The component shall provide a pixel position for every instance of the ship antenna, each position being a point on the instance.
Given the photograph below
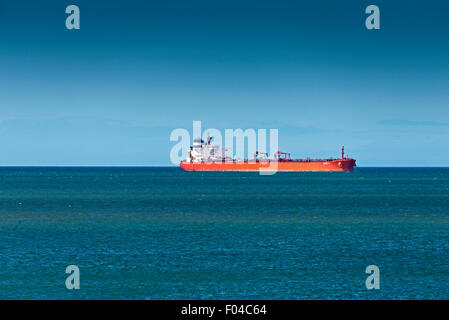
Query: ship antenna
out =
(342, 152)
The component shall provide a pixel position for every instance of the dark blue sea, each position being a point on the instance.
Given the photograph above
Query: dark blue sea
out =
(160, 233)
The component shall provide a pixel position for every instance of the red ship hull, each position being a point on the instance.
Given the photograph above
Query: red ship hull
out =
(330, 165)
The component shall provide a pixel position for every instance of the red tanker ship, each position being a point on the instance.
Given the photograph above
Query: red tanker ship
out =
(210, 157)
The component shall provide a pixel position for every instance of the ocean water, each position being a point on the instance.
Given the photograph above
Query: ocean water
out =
(160, 233)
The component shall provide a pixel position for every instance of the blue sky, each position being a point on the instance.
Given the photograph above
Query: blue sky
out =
(111, 92)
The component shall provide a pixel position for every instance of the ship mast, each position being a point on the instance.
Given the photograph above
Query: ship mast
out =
(342, 152)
